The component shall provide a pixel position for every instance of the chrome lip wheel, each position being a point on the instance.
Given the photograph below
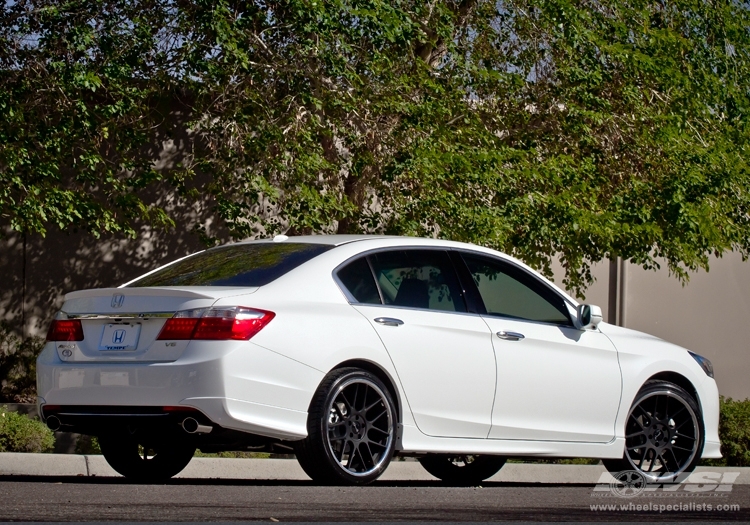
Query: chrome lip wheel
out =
(359, 427)
(662, 436)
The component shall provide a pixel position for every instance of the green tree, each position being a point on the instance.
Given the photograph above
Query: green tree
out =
(546, 128)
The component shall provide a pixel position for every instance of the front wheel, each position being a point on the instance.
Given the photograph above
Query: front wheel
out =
(143, 461)
(462, 470)
(351, 429)
(663, 434)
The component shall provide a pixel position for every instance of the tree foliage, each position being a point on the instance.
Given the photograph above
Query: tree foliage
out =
(545, 128)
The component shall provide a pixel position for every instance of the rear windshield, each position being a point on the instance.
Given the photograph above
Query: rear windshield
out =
(234, 265)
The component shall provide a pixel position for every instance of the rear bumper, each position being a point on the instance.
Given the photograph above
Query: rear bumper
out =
(237, 385)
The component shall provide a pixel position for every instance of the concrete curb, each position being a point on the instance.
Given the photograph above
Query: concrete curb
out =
(70, 465)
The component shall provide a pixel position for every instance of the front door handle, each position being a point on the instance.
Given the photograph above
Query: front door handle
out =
(510, 336)
(388, 321)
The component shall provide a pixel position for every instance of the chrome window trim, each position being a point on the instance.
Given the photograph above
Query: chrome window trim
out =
(93, 316)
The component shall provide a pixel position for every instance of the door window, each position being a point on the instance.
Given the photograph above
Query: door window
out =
(418, 279)
(509, 291)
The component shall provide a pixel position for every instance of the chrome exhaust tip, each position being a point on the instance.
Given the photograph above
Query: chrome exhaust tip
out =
(53, 423)
(191, 426)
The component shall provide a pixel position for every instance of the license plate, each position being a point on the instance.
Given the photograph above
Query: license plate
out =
(120, 337)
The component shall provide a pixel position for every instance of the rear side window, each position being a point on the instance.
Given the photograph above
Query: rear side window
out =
(418, 279)
(358, 280)
(248, 265)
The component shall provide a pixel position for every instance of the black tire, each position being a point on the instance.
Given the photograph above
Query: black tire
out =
(462, 469)
(145, 462)
(664, 434)
(351, 429)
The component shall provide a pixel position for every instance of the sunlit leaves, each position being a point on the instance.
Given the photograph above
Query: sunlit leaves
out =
(576, 130)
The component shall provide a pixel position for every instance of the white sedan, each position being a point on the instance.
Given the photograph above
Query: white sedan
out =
(346, 350)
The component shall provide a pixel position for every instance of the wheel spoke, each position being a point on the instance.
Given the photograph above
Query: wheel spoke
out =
(350, 463)
(369, 454)
(676, 461)
(380, 430)
(384, 412)
(645, 415)
(342, 451)
(641, 433)
(680, 411)
(356, 395)
(664, 463)
(371, 443)
(346, 401)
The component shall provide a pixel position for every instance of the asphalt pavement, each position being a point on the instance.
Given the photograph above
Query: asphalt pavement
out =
(112, 499)
(65, 488)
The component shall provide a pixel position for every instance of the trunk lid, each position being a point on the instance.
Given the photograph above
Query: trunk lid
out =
(122, 324)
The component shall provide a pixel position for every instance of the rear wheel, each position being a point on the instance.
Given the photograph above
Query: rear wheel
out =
(663, 434)
(462, 470)
(143, 461)
(351, 429)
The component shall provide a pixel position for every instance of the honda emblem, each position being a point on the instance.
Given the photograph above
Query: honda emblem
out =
(117, 300)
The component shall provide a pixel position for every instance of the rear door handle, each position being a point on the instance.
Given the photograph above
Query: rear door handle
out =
(388, 321)
(510, 336)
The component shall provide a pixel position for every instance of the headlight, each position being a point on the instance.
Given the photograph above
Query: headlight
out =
(706, 365)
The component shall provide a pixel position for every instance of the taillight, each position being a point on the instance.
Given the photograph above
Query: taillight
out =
(181, 325)
(217, 324)
(65, 330)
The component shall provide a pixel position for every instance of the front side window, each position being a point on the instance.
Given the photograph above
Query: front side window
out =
(418, 279)
(508, 291)
(246, 265)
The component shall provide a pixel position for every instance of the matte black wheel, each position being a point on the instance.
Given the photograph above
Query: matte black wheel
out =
(351, 429)
(141, 461)
(462, 470)
(663, 434)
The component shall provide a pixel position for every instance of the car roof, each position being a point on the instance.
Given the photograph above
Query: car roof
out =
(332, 240)
(340, 240)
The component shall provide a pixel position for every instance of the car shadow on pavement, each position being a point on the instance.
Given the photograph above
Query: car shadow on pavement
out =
(95, 480)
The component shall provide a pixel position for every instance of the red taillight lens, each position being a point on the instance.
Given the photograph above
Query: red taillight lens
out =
(217, 324)
(65, 330)
(178, 328)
